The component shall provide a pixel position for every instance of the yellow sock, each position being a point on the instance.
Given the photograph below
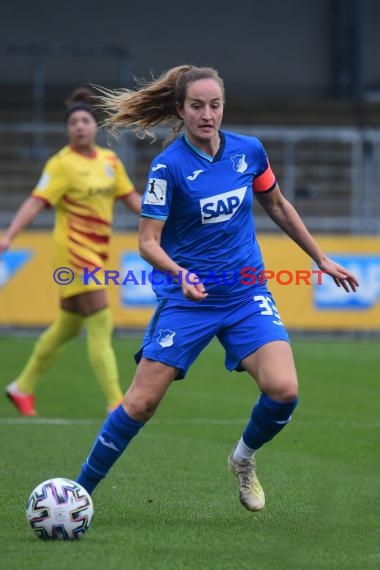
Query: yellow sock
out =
(102, 357)
(66, 326)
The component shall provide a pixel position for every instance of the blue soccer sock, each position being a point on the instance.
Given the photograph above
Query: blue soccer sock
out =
(268, 418)
(113, 437)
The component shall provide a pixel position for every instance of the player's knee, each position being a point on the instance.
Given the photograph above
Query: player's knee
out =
(140, 409)
(289, 394)
(285, 392)
(98, 347)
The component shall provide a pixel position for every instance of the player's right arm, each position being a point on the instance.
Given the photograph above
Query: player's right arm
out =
(50, 188)
(28, 210)
(156, 206)
(150, 231)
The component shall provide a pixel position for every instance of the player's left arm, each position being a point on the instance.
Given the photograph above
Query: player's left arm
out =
(283, 213)
(132, 200)
(125, 189)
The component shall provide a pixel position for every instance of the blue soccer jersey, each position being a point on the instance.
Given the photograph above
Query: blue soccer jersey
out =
(207, 205)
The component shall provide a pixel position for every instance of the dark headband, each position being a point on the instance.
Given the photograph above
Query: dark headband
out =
(79, 106)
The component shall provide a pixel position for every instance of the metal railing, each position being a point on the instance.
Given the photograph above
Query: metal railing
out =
(331, 175)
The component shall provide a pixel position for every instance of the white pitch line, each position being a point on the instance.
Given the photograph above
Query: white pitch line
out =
(74, 421)
(186, 422)
(46, 421)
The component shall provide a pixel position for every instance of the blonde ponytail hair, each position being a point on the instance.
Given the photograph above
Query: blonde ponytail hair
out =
(154, 102)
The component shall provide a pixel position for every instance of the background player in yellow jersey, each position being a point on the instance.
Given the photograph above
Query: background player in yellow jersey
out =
(82, 182)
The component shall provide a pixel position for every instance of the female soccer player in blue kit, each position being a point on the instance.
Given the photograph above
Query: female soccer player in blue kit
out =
(197, 228)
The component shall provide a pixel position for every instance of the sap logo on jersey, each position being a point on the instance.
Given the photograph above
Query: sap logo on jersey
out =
(221, 207)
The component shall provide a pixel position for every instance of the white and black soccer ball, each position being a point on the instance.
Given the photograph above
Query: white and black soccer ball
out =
(59, 509)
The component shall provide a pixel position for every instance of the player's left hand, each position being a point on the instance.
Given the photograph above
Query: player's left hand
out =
(342, 277)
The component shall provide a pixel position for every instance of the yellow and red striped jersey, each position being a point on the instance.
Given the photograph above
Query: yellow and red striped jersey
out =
(83, 190)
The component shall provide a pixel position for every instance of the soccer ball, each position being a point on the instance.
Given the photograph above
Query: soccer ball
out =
(59, 508)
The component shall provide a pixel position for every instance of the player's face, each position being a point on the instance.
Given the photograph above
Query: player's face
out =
(202, 112)
(81, 130)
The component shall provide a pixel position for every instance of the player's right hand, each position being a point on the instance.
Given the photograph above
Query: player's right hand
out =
(4, 244)
(193, 288)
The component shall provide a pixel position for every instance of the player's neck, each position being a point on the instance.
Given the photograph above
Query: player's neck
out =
(210, 147)
(88, 151)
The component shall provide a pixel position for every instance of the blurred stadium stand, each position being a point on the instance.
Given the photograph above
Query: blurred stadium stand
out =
(331, 175)
(316, 108)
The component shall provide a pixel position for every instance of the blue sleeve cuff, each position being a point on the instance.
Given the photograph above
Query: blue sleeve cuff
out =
(154, 217)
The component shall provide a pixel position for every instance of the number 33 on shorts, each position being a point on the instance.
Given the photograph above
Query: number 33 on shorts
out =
(267, 307)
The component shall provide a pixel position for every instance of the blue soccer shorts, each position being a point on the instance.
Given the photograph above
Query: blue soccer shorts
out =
(178, 332)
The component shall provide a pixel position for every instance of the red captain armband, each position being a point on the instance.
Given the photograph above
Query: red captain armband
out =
(266, 181)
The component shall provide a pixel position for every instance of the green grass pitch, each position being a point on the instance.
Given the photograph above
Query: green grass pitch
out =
(170, 502)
